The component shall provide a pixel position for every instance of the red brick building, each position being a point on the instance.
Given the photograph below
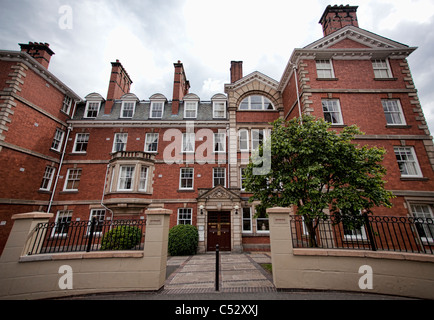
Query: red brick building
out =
(123, 154)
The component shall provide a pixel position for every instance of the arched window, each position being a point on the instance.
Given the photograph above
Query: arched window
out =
(256, 102)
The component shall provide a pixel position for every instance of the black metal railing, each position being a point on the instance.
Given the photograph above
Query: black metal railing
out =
(92, 235)
(388, 233)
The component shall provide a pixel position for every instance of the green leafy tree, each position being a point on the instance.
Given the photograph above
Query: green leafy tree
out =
(314, 168)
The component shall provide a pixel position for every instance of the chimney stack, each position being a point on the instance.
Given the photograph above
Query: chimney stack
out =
(337, 17)
(180, 86)
(39, 51)
(120, 84)
(236, 71)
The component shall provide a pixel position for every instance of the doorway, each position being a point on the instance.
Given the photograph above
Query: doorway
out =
(219, 230)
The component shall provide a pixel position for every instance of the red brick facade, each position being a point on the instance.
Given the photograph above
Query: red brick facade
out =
(123, 154)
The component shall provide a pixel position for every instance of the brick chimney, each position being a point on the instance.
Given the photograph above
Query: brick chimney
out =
(39, 51)
(236, 71)
(120, 83)
(180, 86)
(337, 17)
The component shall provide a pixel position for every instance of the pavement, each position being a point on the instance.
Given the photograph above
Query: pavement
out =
(241, 277)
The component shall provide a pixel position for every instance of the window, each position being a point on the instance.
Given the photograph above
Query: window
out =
(424, 222)
(151, 142)
(126, 178)
(256, 102)
(243, 187)
(247, 220)
(184, 215)
(120, 142)
(156, 109)
(219, 142)
(352, 231)
(324, 69)
(99, 215)
(57, 140)
(407, 162)
(47, 180)
(72, 180)
(219, 176)
(186, 178)
(127, 109)
(143, 178)
(190, 109)
(332, 111)
(188, 142)
(63, 219)
(262, 225)
(219, 110)
(381, 69)
(66, 106)
(257, 138)
(81, 141)
(393, 112)
(243, 140)
(92, 109)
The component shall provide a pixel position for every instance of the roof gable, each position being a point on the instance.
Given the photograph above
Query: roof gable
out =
(357, 35)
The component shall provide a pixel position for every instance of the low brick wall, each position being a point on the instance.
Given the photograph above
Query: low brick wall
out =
(391, 273)
(64, 274)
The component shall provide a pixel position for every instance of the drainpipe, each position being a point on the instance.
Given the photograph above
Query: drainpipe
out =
(103, 191)
(298, 95)
(60, 167)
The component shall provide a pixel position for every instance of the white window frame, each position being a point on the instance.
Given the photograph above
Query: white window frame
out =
(124, 177)
(324, 69)
(247, 219)
(150, 140)
(218, 170)
(86, 110)
(256, 142)
(248, 99)
(76, 177)
(354, 234)
(56, 145)
(332, 103)
(219, 141)
(190, 107)
(424, 214)
(245, 139)
(185, 216)
(124, 106)
(381, 66)
(414, 162)
(66, 105)
(182, 176)
(143, 179)
(62, 217)
(388, 105)
(154, 105)
(47, 179)
(216, 105)
(79, 139)
(241, 179)
(122, 141)
(97, 213)
(188, 137)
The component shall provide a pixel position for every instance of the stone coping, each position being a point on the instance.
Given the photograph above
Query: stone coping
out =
(82, 255)
(364, 254)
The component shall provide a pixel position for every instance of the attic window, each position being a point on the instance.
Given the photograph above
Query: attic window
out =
(256, 102)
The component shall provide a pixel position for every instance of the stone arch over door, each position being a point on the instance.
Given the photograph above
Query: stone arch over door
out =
(218, 202)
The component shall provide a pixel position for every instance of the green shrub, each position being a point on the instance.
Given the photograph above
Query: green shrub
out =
(121, 238)
(183, 240)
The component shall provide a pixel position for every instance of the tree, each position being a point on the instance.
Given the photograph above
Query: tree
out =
(315, 168)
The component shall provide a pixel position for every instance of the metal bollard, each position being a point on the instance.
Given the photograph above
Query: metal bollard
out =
(217, 267)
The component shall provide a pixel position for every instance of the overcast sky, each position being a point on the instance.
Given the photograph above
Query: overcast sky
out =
(148, 36)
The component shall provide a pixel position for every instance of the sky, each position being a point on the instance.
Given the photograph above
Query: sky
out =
(148, 36)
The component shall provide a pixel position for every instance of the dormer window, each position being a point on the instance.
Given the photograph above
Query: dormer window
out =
(219, 106)
(92, 109)
(256, 102)
(127, 110)
(190, 109)
(157, 106)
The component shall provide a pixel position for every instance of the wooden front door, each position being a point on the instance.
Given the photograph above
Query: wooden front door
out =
(219, 230)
